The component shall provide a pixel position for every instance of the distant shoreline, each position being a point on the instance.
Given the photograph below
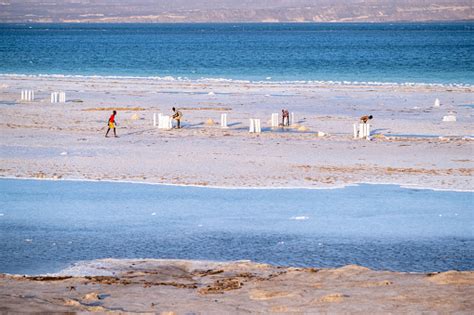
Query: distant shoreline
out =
(251, 22)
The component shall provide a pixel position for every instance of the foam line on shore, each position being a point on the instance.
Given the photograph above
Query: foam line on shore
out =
(342, 186)
(418, 187)
(176, 185)
(242, 81)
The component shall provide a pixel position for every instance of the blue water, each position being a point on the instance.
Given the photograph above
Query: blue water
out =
(423, 53)
(47, 225)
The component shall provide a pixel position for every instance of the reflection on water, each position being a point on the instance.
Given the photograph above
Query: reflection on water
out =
(47, 225)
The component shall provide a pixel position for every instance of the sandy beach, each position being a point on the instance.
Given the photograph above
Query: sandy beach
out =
(410, 145)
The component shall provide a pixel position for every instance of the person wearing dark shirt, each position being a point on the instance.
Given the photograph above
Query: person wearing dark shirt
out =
(285, 114)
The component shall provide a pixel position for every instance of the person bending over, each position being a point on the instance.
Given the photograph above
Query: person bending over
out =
(365, 119)
(177, 115)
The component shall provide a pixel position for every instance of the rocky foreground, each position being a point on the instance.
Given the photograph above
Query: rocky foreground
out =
(193, 287)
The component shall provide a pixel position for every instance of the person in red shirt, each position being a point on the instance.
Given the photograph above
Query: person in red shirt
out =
(112, 124)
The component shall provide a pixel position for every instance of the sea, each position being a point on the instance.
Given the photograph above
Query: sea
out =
(340, 53)
(49, 225)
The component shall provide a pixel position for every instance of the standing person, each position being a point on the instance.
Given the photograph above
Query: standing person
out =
(112, 124)
(365, 119)
(177, 115)
(285, 114)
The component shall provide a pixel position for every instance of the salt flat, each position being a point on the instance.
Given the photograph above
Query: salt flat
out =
(410, 145)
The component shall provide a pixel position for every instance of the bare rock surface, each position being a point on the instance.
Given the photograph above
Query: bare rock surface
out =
(200, 287)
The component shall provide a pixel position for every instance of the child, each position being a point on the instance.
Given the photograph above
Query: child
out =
(112, 124)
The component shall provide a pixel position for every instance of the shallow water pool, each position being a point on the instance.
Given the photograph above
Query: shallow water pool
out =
(47, 225)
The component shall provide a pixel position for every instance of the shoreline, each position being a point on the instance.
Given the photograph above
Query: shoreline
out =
(404, 186)
(223, 80)
(110, 266)
(92, 268)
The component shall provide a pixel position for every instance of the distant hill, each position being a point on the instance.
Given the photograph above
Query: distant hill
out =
(155, 11)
